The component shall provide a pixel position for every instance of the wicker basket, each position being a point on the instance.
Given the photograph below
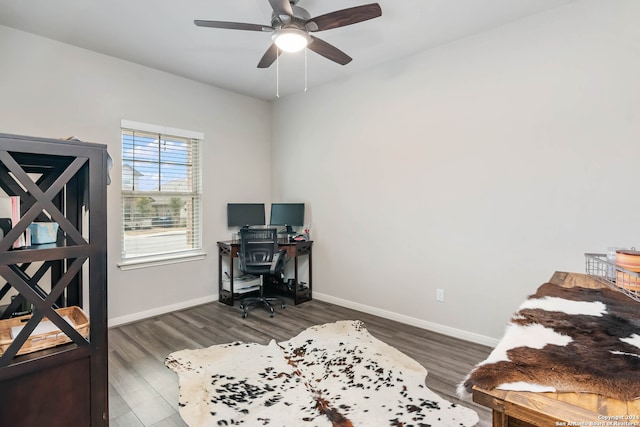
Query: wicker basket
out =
(36, 342)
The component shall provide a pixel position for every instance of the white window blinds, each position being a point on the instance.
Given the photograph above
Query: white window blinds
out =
(161, 192)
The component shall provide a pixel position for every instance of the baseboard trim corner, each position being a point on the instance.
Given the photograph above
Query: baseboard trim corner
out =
(435, 327)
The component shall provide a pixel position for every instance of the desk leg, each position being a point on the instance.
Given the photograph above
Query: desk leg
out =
(297, 284)
(231, 281)
(300, 297)
(220, 297)
(225, 297)
(310, 296)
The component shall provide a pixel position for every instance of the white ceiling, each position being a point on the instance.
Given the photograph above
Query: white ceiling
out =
(161, 34)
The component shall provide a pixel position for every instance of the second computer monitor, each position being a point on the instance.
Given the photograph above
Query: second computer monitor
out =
(287, 214)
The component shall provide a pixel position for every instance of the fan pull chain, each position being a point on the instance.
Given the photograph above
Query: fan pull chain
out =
(306, 86)
(306, 78)
(277, 73)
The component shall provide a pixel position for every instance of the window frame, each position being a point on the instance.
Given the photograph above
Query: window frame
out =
(197, 253)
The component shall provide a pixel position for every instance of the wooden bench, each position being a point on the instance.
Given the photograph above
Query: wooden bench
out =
(519, 409)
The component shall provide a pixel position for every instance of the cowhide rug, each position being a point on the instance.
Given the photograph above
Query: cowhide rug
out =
(335, 374)
(567, 340)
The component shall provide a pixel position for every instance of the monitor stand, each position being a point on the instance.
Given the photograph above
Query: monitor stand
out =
(288, 230)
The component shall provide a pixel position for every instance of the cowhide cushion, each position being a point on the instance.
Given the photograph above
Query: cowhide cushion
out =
(567, 340)
(335, 374)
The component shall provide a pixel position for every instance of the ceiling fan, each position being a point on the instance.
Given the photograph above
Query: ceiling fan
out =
(291, 26)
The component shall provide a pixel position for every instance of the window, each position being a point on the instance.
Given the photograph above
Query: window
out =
(161, 194)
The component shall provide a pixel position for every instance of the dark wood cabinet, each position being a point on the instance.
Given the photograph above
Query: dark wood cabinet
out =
(63, 182)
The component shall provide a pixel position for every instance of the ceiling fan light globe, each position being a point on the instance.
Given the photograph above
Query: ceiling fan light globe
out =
(291, 39)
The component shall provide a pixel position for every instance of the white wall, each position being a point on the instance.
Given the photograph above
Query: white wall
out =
(51, 89)
(480, 167)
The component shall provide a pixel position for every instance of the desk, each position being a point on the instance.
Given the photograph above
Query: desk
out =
(517, 408)
(294, 250)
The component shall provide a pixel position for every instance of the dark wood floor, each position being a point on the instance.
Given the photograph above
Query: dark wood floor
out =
(143, 392)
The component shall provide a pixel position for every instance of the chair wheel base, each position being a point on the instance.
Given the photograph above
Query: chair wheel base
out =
(266, 301)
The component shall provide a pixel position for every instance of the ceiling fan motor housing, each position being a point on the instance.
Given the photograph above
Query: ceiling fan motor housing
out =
(299, 18)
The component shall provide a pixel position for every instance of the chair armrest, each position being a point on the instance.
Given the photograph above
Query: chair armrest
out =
(278, 262)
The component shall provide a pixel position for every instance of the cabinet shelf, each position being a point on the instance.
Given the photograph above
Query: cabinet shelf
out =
(50, 253)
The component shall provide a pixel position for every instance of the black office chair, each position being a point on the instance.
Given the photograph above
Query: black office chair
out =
(259, 255)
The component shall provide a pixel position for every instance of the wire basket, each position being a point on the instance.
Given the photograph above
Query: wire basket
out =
(612, 275)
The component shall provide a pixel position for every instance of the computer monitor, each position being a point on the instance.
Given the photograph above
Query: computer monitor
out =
(245, 214)
(287, 214)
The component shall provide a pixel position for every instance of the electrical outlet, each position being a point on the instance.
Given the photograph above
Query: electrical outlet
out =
(440, 295)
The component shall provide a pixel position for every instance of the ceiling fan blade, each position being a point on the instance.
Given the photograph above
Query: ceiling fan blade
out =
(232, 25)
(341, 18)
(331, 52)
(269, 56)
(282, 8)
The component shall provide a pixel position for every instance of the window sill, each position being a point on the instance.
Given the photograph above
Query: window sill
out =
(159, 260)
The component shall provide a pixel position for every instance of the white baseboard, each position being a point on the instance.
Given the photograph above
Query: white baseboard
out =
(117, 321)
(435, 327)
